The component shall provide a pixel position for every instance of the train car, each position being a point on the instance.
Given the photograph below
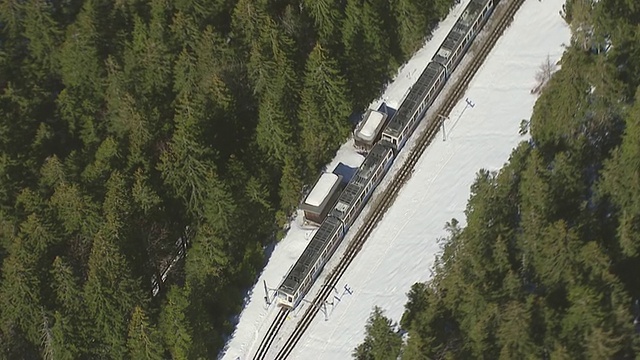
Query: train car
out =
(436, 73)
(413, 107)
(361, 186)
(304, 272)
(323, 244)
(368, 131)
(322, 197)
(461, 36)
(394, 136)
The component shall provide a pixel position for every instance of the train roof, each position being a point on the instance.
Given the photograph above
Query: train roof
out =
(370, 125)
(316, 200)
(419, 90)
(411, 103)
(360, 179)
(460, 29)
(310, 255)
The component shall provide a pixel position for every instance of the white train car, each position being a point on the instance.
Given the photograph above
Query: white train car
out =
(432, 79)
(369, 130)
(395, 134)
(323, 244)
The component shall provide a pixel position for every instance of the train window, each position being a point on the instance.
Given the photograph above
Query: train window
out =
(290, 298)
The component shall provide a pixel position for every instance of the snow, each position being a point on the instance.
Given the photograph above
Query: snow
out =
(402, 248)
(371, 124)
(346, 155)
(322, 189)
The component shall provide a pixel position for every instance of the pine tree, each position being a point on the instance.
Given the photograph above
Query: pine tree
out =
(366, 51)
(184, 164)
(621, 182)
(144, 339)
(274, 132)
(247, 18)
(11, 13)
(111, 295)
(66, 287)
(82, 76)
(557, 252)
(174, 324)
(208, 258)
(326, 15)
(514, 332)
(20, 297)
(271, 70)
(147, 60)
(43, 34)
(412, 24)
(75, 210)
(63, 345)
(21, 300)
(128, 124)
(290, 184)
(106, 156)
(381, 340)
(143, 194)
(324, 108)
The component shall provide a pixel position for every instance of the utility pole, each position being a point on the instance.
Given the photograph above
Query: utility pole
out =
(266, 293)
(443, 118)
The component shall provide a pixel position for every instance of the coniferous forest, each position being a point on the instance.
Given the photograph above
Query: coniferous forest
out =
(548, 263)
(132, 129)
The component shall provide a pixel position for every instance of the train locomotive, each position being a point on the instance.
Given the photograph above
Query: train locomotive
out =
(395, 134)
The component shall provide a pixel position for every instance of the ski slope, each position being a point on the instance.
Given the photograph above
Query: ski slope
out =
(402, 249)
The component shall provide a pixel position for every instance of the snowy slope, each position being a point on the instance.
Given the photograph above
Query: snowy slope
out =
(402, 248)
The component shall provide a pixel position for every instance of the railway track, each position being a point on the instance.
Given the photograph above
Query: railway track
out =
(387, 198)
(271, 334)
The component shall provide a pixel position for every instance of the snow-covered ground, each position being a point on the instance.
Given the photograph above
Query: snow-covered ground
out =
(402, 248)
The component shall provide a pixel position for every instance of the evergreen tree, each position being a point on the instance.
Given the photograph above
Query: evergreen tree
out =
(111, 295)
(184, 164)
(514, 332)
(327, 17)
(271, 69)
(143, 194)
(144, 340)
(42, 31)
(174, 324)
(381, 340)
(366, 50)
(63, 341)
(82, 76)
(69, 331)
(290, 184)
(324, 108)
(412, 24)
(75, 210)
(622, 184)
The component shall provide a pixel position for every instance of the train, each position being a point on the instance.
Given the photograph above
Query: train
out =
(394, 136)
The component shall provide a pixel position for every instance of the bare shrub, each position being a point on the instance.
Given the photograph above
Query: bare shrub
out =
(543, 75)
